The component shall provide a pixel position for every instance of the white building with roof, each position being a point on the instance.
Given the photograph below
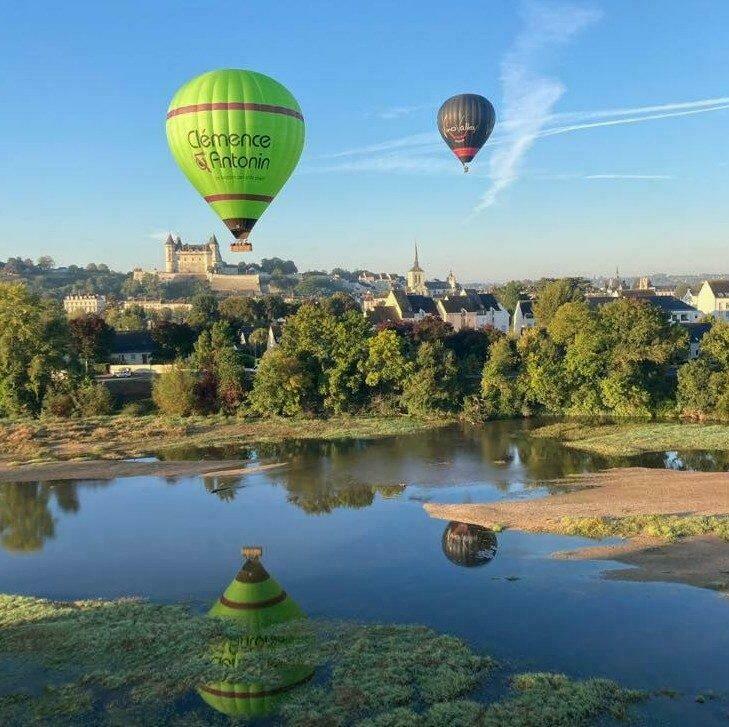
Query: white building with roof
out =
(713, 298)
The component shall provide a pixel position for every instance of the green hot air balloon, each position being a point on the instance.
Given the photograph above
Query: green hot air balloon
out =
(237, 135)
(258, 601)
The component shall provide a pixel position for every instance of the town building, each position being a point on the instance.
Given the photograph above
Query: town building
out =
(523, 316)
(676, 310)
(696, 332)
(132, 347)
(418, 285)
(713, 298)
(158, 306)
(204, 262)
(473, 310)
(77, 305)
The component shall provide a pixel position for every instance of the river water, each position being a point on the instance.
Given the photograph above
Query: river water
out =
(343, 530)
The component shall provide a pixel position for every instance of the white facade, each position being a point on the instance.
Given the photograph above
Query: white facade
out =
(523, 316)
(713, 298)
(76, 305)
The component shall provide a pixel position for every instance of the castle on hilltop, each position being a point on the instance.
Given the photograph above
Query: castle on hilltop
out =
(185, 261)
(192, 259)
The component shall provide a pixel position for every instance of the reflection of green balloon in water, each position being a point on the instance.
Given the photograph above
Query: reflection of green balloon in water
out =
(258, 601)
(237, 136)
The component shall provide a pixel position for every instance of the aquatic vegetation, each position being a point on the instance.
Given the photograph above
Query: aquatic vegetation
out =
(131, 662)
(669, 527)
(120, 656)
(631, 439)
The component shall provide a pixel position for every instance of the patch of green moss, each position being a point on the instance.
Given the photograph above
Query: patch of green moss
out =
(669, 527)
(630, 439)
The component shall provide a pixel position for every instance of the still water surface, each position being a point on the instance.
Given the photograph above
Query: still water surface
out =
(344, 532)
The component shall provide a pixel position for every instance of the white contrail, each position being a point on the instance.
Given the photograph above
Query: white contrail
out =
(528, 97)
(647, 177)
(581, 121)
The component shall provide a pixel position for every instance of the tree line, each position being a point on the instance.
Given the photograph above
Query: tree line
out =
(623, 359)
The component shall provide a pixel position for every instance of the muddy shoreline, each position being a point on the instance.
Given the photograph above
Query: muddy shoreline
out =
(111, 469)
(702, 560)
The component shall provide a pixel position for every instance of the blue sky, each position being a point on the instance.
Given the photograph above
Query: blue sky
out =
(610, 145)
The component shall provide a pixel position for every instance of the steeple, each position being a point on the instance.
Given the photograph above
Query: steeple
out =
(416, 265)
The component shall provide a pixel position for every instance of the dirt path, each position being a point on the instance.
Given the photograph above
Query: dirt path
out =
(110, 469)
(701, 561)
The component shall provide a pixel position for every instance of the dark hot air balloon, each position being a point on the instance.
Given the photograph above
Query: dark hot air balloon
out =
(465, 122)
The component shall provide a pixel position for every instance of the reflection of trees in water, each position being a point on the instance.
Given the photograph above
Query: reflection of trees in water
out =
(469, 545)
(26, 520)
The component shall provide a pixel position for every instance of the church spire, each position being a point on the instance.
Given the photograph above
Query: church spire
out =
(416, 265)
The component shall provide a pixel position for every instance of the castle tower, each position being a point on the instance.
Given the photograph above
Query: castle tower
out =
(452, 282)
(170, 266)
(215, 260)
(416, 275)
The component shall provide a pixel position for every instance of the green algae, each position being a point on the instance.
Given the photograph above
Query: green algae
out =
(130, 662)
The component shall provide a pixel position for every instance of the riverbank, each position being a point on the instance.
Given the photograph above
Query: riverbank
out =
(632, 439)
(120, 437)
(669, 518)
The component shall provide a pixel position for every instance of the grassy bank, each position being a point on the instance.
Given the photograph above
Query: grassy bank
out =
(629, 439)
(118, 437)
(130, 662)
(667, 527)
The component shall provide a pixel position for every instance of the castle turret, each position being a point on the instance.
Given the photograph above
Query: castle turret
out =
(170, 266)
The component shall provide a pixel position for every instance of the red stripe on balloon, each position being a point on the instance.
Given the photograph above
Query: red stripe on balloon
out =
(253, 605)
(234, 106)
(231, 197)
(466, 151)
(237, 694)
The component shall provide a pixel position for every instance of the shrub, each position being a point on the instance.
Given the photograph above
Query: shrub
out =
(58, 404)
(93, 400)
(174, 392)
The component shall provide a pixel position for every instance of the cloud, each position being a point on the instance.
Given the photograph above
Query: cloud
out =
(581, 120)
(161, 236)
(529, 97)
(647, 177)
(399, 112)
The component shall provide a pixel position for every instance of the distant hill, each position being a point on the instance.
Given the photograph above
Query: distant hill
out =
(57, 282)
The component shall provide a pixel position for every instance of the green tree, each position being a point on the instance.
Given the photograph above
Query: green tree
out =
(386, 366)
(204, 311)
(34, 343)
(433, 386)
(500, 386)
(128, 318)
(285, 385)
(173, 340)
(258, 340)
(91, 338)
(543, 382)
(174, 392)
(509, 294)
(553, 296)
(242, 311)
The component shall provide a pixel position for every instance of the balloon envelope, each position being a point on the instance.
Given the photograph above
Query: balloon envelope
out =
(465, 122)
(237, 136)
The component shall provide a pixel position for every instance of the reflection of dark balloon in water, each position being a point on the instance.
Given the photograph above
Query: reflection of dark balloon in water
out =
(258, 601)
(469, 545)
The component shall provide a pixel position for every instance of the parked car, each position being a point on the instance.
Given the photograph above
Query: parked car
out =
(124, 373)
